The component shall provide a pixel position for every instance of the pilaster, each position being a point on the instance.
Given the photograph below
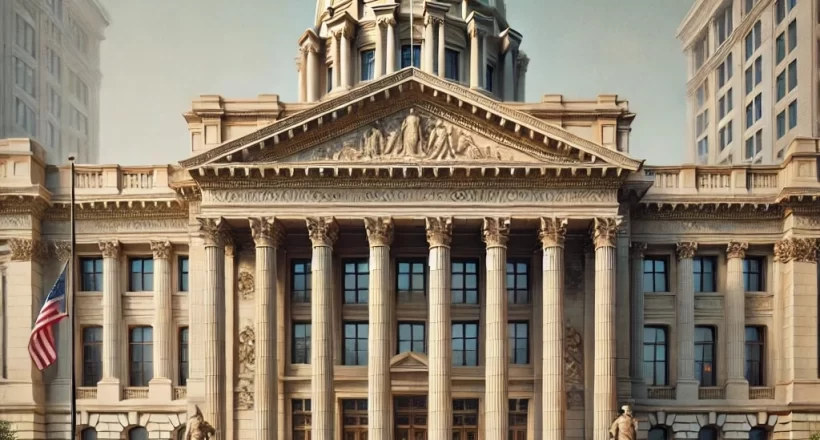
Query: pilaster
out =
(385, 17)
(439, 236)
(495, 233)
(510, 42)
(687, 387)
(637, 322)
(737, 388)
(160, 387)
(605, 404)
(110, 387)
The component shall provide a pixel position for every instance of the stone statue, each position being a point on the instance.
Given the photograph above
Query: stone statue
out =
(625, 427)
(411, 136)
(373, 142)
(439, 146)
(197, 428)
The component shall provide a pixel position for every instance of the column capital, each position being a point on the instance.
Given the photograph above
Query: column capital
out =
(496, 231)
(110, 249)
(386, 21)
(686, 250)
(162, 249)
(214, 231)
(637, 249)
(323, 231)
(61, 250)
(439, 231)
(379, 230)
(736, 249)
(433, 19)
(26, 249)
(796, 249)
(266, 231)
(553, 232)
(605, 231)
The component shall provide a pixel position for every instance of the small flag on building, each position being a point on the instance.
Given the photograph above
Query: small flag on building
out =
(41, 344)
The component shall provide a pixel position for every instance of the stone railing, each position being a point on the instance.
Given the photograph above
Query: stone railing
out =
(138, 179)
(86, 393)
(135, 393)
(661, 393)
(111, 180)
(711, 393)
(757, 393)
(180, 393)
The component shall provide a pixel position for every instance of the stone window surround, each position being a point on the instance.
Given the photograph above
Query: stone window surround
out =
(125, 269)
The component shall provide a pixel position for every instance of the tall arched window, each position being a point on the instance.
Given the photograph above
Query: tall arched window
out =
(707, 434)
(88, 434)
(657, 433)
(758, 434)
(138, 433)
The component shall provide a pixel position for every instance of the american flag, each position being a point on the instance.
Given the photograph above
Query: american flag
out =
(41, 344)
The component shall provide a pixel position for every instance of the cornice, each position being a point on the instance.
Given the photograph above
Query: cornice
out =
(708, 212)
(107, 210)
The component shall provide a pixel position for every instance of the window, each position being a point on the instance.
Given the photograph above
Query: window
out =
(368, 64)
(781, 86)
(354, 419)
(329, 79)
(142, 275)
(138, 433)
(55, 103)
(755, 356)
(24, 76)
(518, 419)
(490, 77)
(780, 48)
(655, 365)
(141, 356)
(701, 93)
(356, 281)
(708, 433)
(465, 419)
(411, 281)
(53, 63)
(89, 434)
(754, 110)
(518, 282)
(705, 356)
(411, 337)
(753, 274)
(407, 57)
(300, 281)
(301, 343)
(793, 114)
(725, 135)
(355, 343)
(753, 40)
(301, 419)
(25, 117)
(792, 70)
(451, 60)
(657, 433)
(77, 120)
(724, 71)
(183, 273)
(655, 274)
(781, 124)
(758, 434)
(754, 145)
(183, 356)
(726, 105)
(700, 52)
(792, 31)
(702, 122)
(91, 274)
(25, 36)
(748, 5)
(703, 147)
(78, 87)
(56, 8)
(723, 24)
(519, 335)
(704, 274)
(52, 135)
(464, 281)
(78, 36)
(465, 344)
(92, 356)
(779, 11)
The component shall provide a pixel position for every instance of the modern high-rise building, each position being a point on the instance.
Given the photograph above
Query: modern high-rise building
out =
(753, 78)
(50, 75)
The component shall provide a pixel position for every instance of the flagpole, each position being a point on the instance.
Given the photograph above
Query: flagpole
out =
(71, 320)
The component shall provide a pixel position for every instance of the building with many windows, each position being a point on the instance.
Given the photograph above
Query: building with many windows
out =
(410, 257)
(50, 75)
(753, 78)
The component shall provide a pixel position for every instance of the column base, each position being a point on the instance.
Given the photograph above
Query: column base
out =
(109, 390)
(687, 390)
(160, 390)
(639, 388)
(737, 389)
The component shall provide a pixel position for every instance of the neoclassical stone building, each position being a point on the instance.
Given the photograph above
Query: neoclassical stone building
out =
(416, 257)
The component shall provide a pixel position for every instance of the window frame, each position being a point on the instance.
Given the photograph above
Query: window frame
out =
(183, 344)
(142, 275)
(793, 112)
(758, 380)
(724, 25)
(704, 365)
(144, 371)
(464, 339)
(306, 338)
(464, 276)
(747, 273)
(88, 375)
(699, 285)
(301, 411)
(513, 340)
(409, 296)
(367, 65)
(414, 326)
(514, 290)
(304, 296)
(362, 294)
(414, 60)
(655, 259)
(357, 338)
(448, 54)
(97, 277)
(653, 381)
(183, 273)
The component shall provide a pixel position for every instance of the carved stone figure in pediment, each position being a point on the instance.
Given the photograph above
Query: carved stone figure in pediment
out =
(439, 146)
(411, 136)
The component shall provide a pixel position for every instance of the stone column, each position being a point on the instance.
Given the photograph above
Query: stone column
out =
(160, 385)
(312, 73)
(509, 72)
(475, 56)
(522, 62)
(390, 22)
(302, 70)
(605, 383)
(109, 388)
(429, 43)
(215, 233)
(442, 60)
(687, 387)
(344, 41)
(335, 61)
(267, 235)
(495, 233)
(737, 388)
(439, 235)
(379, 72)
(552, 235)
(589, 336)
(380, 236)
(323, 232)
(636, 365)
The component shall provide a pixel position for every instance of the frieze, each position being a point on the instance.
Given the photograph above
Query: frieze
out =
(247, 368)
(717, 227)
(711, 210)
(574, 368)
(8, 222)
(709, 305)
(755, 304)
(119, 226)
(124, 211)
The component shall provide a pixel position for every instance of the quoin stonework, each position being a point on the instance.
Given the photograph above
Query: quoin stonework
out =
(411, 252)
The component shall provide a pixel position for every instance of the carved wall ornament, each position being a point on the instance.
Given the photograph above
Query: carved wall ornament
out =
(162, 249)
(26, 249)
(736, 249)
(759, 303)
(247, 367)
(605, 231)
(267, 231)
(379, 230)
(323, 231)
(637, 249)
(574, 368)
(496, 231)
(246, 285)
(686, 250)
(110, 249)
(439, 231)
(61, 250)
(553, 232)
(797, 249)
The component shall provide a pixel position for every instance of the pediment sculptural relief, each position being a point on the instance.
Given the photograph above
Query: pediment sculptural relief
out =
(410, 136)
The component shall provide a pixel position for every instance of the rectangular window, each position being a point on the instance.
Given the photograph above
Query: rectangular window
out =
(754, 144)
(753, 274)
(56, 8)
(655, 274)
(53, 63)
(781, 86)
(748, 5)
(518, 281)
(92, 356)
(78, 36)
(355, 343)
(329, 79)
(702, 122)
(141, 356)
(354, 419)
(792, 31)
(183, 356)
(411, 281)
(701, 94)
(755, 351)
(518, 419)
(779, 11)
(183, 273)
(142, 275)
(407, 59)
(24, 76)
(25, 117)
(55, 103)
(753, 40)
(78, 87)
(655, 363)
(91, 274)
(301, 419)
(301, 343)
(793, 114)
(465, 419)
(464, 284)
(781, 124)
(490, 78)
(519, 341)
(300, 281)
(750, 83)
(724, 71)
(792, 70)
(703, 147)
(77, 120)
(723, 24)
(758, 70)
(52, 135)
(356, 281)
(411, 337)
(465, 344)
(725, 135)
(704, 268)
(780, 48)
(705, 356)
(754, 110)
(725, 104)
(451, 60)
(25, 36)
(701, 52)
(368, 65)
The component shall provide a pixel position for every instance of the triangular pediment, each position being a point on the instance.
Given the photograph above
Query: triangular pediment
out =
(408, 362)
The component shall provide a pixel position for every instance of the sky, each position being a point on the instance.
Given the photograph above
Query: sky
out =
(159, 55)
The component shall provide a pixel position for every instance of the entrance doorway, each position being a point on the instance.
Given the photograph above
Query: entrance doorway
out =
(411, 418)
